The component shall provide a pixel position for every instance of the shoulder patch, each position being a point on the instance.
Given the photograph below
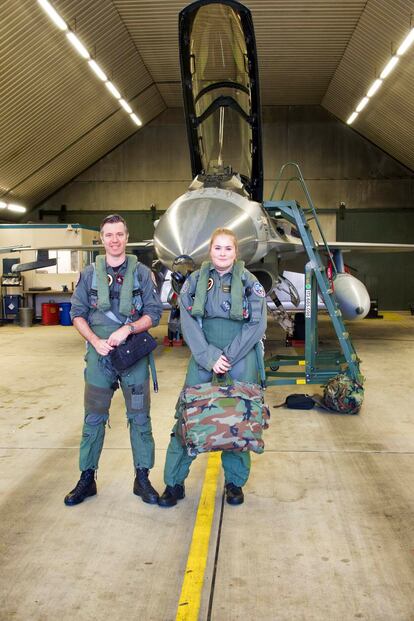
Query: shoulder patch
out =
(258, 289)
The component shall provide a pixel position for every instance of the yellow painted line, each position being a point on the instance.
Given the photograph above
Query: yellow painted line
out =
(190, 598)
(301, 381)
(301, 363)
(391, 316)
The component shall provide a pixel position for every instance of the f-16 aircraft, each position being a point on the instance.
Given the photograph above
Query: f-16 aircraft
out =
(220, 83)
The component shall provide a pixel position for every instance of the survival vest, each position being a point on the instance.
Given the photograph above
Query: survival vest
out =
(130, 299)
(237, 291)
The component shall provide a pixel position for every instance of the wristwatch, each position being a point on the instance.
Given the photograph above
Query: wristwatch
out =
(131, 328)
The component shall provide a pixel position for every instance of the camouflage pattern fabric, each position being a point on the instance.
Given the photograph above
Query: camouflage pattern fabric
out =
(343, 394)
(223, 418)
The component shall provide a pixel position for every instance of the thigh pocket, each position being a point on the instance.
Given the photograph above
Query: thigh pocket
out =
(137, 398)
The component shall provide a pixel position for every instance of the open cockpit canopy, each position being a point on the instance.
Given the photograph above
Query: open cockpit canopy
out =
(221, 92)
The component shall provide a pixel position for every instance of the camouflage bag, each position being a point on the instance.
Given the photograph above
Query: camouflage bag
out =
(223, 416)
(343, 394)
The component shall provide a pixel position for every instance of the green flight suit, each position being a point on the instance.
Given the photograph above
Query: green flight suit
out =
(214, 335)
(100, 378)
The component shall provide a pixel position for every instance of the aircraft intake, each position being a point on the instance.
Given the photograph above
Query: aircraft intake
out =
(266, 279)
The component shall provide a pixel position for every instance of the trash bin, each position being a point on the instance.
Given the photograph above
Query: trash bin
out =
(50, 314)
(64, 309)
(25, 316)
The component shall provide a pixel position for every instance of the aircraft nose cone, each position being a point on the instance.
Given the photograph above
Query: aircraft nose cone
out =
(187, 225)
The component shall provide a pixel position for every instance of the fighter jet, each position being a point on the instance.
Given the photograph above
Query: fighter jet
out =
(220, 86)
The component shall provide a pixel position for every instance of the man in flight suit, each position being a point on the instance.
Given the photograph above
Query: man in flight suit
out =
(114, 298)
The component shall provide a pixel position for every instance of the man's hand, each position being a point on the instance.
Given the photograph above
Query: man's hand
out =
(118, 336)
(222, 365)
(102, 347)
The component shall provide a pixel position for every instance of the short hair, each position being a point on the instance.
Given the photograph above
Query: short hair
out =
(229, 233)
(113, 219)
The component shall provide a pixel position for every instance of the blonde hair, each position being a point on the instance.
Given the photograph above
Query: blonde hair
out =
(229, 233)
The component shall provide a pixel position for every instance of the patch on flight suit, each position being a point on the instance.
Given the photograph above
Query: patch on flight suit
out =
(210, 284)
(226, 288)
(119, 279)
(258, 290)
(225, 306)
(110, 280)
(185, 286)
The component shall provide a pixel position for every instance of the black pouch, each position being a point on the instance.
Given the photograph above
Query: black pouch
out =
(298, 402)
(133, 349)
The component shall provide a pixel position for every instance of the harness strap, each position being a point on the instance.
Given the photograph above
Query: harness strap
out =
(260, 363)
(236, 309)
(129, 289)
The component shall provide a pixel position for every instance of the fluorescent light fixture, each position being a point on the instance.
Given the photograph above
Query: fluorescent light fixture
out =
(136, 120)
(81, 49)
(53, 14)
(14, 207)
(78, 45)
(406, 43)
(111, 88)
(384, 73)
(125, 106)
(352, 118)
(374, 87)
(362, 104)
(97, 70)
(3, 205)
(389, 67)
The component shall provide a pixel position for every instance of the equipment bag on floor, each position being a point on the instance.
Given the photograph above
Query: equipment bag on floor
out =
(223, 415)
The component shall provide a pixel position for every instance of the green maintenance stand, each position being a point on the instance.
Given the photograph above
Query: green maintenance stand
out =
(317, 367)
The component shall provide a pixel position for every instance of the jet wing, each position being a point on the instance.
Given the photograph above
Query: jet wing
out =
(368, 247)
(291, 248)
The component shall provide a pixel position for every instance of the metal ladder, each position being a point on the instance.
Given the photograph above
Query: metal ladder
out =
(318, 366)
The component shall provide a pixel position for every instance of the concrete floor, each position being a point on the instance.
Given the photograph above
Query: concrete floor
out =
(326, 532)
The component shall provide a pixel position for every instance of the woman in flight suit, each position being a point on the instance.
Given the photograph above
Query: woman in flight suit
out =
(223, 317)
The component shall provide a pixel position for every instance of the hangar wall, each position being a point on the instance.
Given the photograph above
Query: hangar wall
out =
(152, 168)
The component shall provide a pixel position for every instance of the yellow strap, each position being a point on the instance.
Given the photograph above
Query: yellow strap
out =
(190, 598)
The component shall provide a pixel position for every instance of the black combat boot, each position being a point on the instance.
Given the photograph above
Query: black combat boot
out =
(171, 495)
(234, 494)
(143, 487)
(86, 486)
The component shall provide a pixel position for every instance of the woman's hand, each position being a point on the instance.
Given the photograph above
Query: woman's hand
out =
(222, 365)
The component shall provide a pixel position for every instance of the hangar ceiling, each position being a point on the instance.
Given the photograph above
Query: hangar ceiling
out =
(57, 118)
